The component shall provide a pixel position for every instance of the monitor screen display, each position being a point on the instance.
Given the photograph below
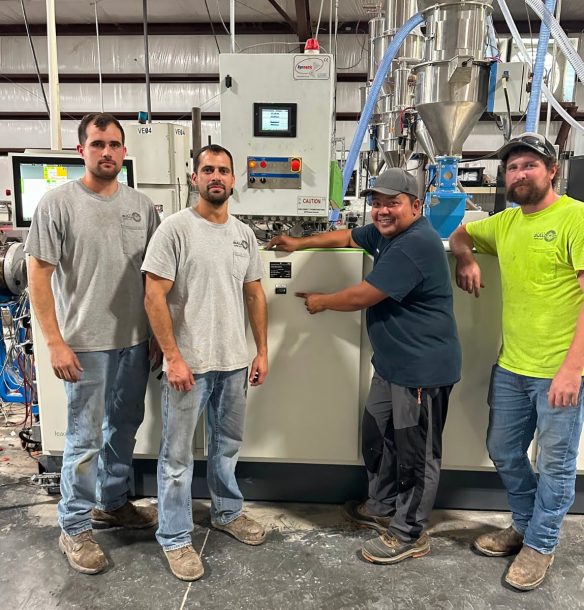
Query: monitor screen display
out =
(35, 175)
(275, 119)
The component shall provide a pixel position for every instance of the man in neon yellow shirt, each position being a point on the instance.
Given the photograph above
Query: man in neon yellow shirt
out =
(537, 382)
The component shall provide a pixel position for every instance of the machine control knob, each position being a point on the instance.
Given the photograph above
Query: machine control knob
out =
(263, 180)
(252, 179)
(295, 165)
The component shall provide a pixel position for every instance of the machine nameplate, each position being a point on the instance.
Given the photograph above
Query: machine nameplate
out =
(312, 67)
(281, 270)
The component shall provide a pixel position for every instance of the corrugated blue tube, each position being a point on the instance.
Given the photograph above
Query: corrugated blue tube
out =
(538, 72)
(391, 52)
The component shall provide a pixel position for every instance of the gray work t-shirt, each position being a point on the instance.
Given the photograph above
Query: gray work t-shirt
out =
(208, 263)
(97, 245)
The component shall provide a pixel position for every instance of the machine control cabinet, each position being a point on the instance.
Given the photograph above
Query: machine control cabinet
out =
(278, 129)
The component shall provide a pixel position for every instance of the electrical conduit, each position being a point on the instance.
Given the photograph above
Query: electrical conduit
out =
(396, 43)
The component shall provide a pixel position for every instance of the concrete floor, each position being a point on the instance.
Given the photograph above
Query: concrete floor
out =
(310, 560)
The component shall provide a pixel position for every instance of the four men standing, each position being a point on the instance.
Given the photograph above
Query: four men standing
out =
(203, 265)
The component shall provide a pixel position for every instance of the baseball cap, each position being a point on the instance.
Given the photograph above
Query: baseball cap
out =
(529, 139)
(393, 182)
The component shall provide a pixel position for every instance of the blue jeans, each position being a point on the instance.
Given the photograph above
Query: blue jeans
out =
(224, 394)
(104, 411)
(519, 406)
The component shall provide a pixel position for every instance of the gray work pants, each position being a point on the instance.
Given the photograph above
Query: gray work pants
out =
(402, 449)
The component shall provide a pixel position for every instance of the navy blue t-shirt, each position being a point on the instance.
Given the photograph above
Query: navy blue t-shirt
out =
(412, 331)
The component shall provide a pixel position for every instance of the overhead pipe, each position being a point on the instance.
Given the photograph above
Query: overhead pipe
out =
(532, 119)
(412, 23)
(546, 91)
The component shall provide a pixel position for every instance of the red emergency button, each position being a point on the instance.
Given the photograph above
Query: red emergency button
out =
(295, 165)
(263, 164)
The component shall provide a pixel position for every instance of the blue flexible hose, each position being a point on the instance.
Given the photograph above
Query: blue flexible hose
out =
(532, 118)
(391, 52)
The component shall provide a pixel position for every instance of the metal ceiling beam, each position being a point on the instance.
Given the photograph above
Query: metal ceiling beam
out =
(283, 14)
(204, 29)
(303, 26)
(128, 78)
(137, 29)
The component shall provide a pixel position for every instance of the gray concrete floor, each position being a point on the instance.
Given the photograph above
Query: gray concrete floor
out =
(310, 560)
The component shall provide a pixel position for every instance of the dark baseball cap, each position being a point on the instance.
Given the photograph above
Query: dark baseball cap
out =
(529, 139)
(393, 182)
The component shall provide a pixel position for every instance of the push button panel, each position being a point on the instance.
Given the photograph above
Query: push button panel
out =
(274, 172)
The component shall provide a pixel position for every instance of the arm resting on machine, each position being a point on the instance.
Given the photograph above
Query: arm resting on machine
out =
(329, 239)
(468, 272)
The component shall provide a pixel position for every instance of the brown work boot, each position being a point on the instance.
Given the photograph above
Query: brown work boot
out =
(244, 529)
(129, 515)
(528, 569)
(357, 513)
(185, 563)
(499, 543)
(83, 552)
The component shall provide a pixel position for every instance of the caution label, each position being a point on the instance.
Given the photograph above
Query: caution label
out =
(312, 206)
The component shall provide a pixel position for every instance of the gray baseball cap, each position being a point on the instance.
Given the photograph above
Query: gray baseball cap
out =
(393, 182)
(531, 140)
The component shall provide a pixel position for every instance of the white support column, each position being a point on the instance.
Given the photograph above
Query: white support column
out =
(54, 99)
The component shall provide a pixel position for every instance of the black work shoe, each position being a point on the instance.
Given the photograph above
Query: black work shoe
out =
(389, 549)
(357, 513)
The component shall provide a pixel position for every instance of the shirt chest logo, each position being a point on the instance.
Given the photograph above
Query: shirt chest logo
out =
(240, 244)
(548, 236)
(135, 216)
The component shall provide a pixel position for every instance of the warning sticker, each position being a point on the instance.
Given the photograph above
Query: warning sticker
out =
(312, 206)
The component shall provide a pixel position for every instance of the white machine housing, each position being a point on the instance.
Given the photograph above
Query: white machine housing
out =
(282, 168)
(162, 152)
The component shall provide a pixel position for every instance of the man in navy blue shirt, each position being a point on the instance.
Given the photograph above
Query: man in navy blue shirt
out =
(416, 357)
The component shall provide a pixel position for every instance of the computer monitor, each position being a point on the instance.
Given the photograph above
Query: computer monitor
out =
(35, 174)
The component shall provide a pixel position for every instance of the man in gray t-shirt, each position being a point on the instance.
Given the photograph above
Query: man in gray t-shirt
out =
(201, 266)
(86, 244)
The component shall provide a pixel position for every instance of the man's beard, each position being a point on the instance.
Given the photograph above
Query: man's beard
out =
(530, 194)
(216, 198)
(103, 174)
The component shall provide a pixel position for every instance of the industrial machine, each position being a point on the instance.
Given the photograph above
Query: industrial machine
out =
(162, 153)
(425, 94)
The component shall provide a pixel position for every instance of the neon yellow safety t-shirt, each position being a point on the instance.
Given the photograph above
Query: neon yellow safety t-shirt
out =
(539, 257)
